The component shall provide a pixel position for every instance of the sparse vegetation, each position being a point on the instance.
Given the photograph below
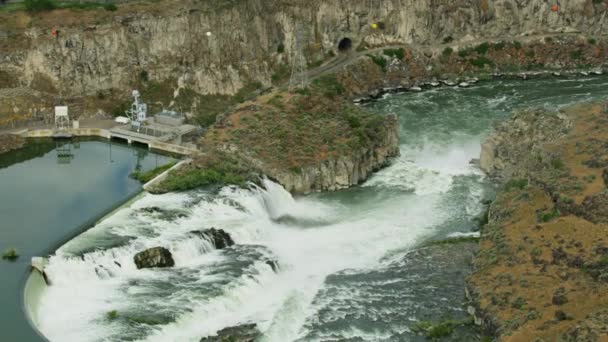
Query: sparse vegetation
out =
(380, 61)
(482, 48)
(215, 168)
(452, 241)
(145, 177)
(516, 184)
(112, 315)
(438, 330)
(10, 254)
(329, 86)
(480, 61)
(549, 216)
(517, 44)
(576, 54)
(395, 53)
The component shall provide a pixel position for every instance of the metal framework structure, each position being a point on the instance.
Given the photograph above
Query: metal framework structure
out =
(138, 112)
(299, 75)
(62, 120)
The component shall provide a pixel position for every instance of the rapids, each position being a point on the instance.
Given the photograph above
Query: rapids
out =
(345, 271)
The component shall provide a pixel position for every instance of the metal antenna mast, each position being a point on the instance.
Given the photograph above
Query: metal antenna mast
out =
(299, 75)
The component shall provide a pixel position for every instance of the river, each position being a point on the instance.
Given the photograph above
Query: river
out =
(348, 268)
(50, 193)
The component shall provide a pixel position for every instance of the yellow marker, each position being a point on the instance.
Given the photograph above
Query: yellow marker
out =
(374, 26)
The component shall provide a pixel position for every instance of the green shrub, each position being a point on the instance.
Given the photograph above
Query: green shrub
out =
(448, 40)
(447, 51)
(281, 48)
(499, 46)
(464, 52)
(380, 61)
(39, 5)
(480, 61)
(516, 184)
(482, 48)
(10, 254)
(576, 54)
(395, 53)
(549, 216)
(592, 41)
(557, 164)
(145, 177)
(517, 44)
(110, 7)
(143, 76)
(530, 53)
(112, 315)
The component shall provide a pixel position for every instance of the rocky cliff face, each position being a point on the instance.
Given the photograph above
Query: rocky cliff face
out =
(342, 171)
(541, 270)
(212, 47)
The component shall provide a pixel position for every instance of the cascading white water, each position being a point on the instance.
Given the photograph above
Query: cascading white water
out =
(87, 287)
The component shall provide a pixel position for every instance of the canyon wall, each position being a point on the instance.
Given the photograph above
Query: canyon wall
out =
(213, 47)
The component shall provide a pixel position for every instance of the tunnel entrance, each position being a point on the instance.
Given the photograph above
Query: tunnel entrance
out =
(345, 45)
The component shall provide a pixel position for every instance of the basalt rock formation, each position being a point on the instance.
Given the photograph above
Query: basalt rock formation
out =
(156, 257)
(217, 237)
(181, 50)
(541, 270)
(241, 333)
(9, 142)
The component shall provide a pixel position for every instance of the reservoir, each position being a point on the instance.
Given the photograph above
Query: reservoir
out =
(50, 192)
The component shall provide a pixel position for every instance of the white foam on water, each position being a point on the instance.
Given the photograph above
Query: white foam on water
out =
(429, 169)
(84, 290)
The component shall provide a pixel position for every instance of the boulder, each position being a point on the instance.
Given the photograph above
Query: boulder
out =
(154, 258)
(240, 333)
(217, 237)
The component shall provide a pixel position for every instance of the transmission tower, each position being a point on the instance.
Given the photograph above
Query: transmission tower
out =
(299, 75)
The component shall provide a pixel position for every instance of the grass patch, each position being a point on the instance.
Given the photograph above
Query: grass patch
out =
(145, 177)
(10, 254)
(395, 53)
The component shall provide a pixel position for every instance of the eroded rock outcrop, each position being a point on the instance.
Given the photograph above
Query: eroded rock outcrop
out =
(517, 143)
(157, 257)
(343, 171)
(241, 333)
(217, 237)
(9, 142)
